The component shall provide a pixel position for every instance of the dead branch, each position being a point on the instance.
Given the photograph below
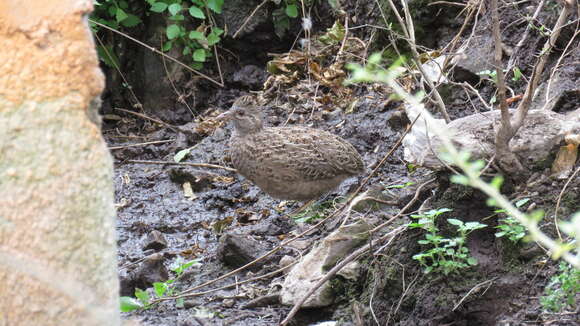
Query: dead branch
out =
(509, 127)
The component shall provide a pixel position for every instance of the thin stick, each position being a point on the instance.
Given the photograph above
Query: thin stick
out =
(141, 115)
(249, 18)
(142, 144)
(118, 70)
(201, 165)
(337, 268)
(560, 198)
(158, 52)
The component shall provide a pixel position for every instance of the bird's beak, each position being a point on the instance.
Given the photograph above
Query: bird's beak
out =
(226, 116)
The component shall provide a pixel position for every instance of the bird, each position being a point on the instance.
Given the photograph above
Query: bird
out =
(289, 163)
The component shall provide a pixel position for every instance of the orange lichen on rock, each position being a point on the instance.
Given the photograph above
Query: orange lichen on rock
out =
(43, 41)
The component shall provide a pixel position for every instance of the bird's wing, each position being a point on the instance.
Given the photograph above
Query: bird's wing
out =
(309, 153)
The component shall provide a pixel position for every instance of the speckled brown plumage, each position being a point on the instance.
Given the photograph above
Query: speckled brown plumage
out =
(294, 163)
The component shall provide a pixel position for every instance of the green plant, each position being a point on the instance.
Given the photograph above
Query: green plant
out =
(143, 299)
(313, 212)
(510, 227)
(561, 292)
(281, 17)
(472, 169)
(447, 255)
(193, 42)
(113, 13)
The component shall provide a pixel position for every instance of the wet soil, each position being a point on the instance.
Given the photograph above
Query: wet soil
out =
(154, 201)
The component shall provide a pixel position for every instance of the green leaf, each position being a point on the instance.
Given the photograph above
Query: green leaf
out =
(174, 8)
(212, 39)
(472, 261)
(159, 7)
(130, 304)
(159, 288)
(460, 179)
(522, 202)
(455, 221)
(199, 55)
(131, 21)
(181, 154)
(180, 303)
(292, 11)
(167, 46)
(108, 56)
(172, 31)
(177, 18)
(196, 12)
(215, 5)
(217, 31)
(196, 65)
(143, 296)
(195, 35)
(120, 15)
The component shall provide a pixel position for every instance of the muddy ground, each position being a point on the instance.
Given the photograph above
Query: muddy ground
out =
(161, 221)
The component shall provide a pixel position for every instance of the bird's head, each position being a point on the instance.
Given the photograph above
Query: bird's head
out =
(245, 114)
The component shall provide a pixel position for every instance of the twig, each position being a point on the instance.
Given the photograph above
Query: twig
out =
(142, 144)
(179, 95)
(560, 198)
(118, 70)
(235, 284)
(337, 268)
(159, 52)
(409, 32)
(513, 57)
(201, 165)
(249, 18)
(141, 115)
(473, 289)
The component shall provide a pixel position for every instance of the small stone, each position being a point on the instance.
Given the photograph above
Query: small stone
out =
(155, 240)
(236, 250)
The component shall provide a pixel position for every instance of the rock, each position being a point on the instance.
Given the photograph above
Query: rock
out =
(564, 89)
(285, 261)
(538, 139)
(250, 76)
(144, 275)
(321, 259)
(236, 250)
(155, 240)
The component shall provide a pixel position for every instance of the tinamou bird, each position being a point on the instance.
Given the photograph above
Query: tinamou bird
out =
(291, 163)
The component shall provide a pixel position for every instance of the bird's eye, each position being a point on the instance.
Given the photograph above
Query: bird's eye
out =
(241, 113)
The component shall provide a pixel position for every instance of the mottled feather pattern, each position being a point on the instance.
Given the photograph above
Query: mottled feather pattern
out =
(291, 162)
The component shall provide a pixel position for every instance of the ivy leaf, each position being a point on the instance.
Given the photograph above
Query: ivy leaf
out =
(130, 304)
(215, 5)
(159, 7)
(292, 11)
(196, 12)
(172, 31)
(199, 55)
(174, 9)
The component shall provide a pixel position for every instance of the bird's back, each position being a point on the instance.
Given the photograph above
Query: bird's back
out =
(294, 162)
